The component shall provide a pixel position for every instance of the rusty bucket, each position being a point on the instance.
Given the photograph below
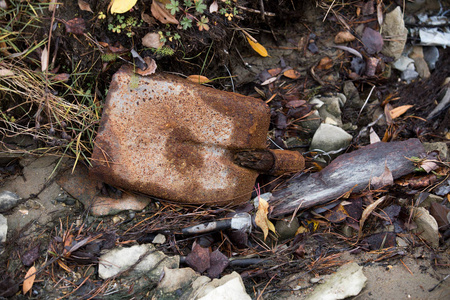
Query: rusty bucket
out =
(167, 137)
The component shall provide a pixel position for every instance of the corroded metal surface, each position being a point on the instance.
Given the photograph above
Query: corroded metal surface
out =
(173, 139)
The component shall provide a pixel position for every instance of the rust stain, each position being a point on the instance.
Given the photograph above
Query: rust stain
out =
(174, 139)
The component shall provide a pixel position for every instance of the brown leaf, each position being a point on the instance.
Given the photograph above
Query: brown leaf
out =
(52, 5)
(161, 14)
(293, 74)
(261, 219)
(268, 81)
(61, 77)
(398, 111)
(366, 213)
(387, 114)
(325, 63)
(148, 19)
(336, 215)
(83, 5)
(380, 12)
(6, 72)
(343, 37)
(295, 103)
(274, 72)
(151, 67)
(29, 280)
(30, 256)
(198, 79)
(440, 212)
(428, 165)
(76, 26)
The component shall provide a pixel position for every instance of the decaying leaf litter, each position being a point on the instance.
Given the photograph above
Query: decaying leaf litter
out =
(55, 81)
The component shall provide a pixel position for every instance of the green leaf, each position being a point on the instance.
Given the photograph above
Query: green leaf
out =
(186, 23)
(200, 7)
(173, 7)
(187, 3)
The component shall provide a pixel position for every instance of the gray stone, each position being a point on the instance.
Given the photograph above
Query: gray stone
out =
(352, 95)
(228, 287)
(427, 227)
(159, 239)
(286, 229)
(401, 242)
(403, 63)
(8, 200)
(330, 138)
(348, 281)
(419, 62)
(330, 112)
(311, 123)
(3, 228)
(429, 200)
(439, 146)
(409, 75)
(393, 28)
(431, 56)
(120, 259)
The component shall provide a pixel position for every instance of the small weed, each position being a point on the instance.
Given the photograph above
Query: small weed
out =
(127, 25)
(192, 10)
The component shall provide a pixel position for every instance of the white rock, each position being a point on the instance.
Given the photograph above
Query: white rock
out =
(427, 227)
(348, 281)
(229, 287)
(159, 239)
(3, 228)
(120, 259)
(175, 279)
(404, 63)
(8, 200)
(330, 138)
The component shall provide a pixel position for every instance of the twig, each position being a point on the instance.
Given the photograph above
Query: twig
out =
(269, 14)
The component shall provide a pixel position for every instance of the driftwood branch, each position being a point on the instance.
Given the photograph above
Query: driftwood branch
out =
(352, 171)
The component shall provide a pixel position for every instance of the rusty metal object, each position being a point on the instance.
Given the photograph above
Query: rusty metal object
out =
(173, 139)
(273, 162)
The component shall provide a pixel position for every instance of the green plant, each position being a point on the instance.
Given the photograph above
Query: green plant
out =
(126, 25)
(192, 10)
(229, 11)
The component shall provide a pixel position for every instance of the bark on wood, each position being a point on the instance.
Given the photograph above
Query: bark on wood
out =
(351, 171)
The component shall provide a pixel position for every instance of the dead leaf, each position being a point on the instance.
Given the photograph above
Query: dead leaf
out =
(44, 59)
(257, 47)
(295, 103)
(30, 256)
(301, 229)
(214, 7)
(366, 213)
(268, 81)
(372, 40)
(151, 67)
(76, 26)
(428, 165)
(52, 5)
(374, 138)
(198, 79)
(325, 63)
(261, 219)
(336, 215)
(380, 12)
(6, 72)
(83, 5)
(343, 37)
(121, 6)
(61, 77)
(387, 114)
(152, 40)
(274, 72)
(148, 19)
(29, 280)
(293, 74)
(385, 179)
(398, 111)
(161, 14)
(3, 4)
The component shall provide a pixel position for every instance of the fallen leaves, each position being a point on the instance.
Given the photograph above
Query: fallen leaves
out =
(261, 219)
(152, 40)
(83, 5)
(293, 74)
(366, 213)
(398, 111)
(29, 280)
(198, 79)
(257, 47)
(161, 14)
(343, 37)
(121, 6)
(75, 26)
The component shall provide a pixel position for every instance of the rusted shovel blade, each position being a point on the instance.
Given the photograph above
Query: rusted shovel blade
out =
(352, 171)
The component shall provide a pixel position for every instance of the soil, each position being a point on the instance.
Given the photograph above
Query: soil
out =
(216, 54)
